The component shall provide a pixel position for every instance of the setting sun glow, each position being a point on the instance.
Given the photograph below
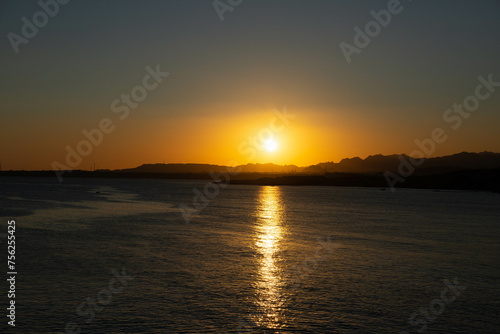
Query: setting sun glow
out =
(271, 145)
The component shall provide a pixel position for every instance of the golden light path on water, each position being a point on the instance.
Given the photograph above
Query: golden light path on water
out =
(269, 231)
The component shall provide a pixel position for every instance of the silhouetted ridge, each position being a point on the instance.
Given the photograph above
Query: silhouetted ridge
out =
(372, 164)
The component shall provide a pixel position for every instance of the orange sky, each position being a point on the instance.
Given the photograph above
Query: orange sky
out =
(308, 138)
(225, 78)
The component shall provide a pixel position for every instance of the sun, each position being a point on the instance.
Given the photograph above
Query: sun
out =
(271, 145)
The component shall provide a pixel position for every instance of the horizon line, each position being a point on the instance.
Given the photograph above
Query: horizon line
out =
(254, 163)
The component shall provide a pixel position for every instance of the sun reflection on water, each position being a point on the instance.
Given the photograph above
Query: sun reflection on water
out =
(269, 232)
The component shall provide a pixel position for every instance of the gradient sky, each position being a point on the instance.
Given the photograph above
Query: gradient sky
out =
(227, 76)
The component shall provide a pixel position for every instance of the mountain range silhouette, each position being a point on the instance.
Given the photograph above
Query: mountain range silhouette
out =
(372, 164)
(462, 171)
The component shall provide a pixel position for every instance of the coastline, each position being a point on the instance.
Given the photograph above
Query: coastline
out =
(474, 180)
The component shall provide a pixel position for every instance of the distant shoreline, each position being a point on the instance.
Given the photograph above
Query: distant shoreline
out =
(477, 179)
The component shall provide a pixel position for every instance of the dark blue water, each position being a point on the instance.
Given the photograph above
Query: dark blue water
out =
(117, 256)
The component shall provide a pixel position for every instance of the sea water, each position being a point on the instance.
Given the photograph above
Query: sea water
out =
(118, 256)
